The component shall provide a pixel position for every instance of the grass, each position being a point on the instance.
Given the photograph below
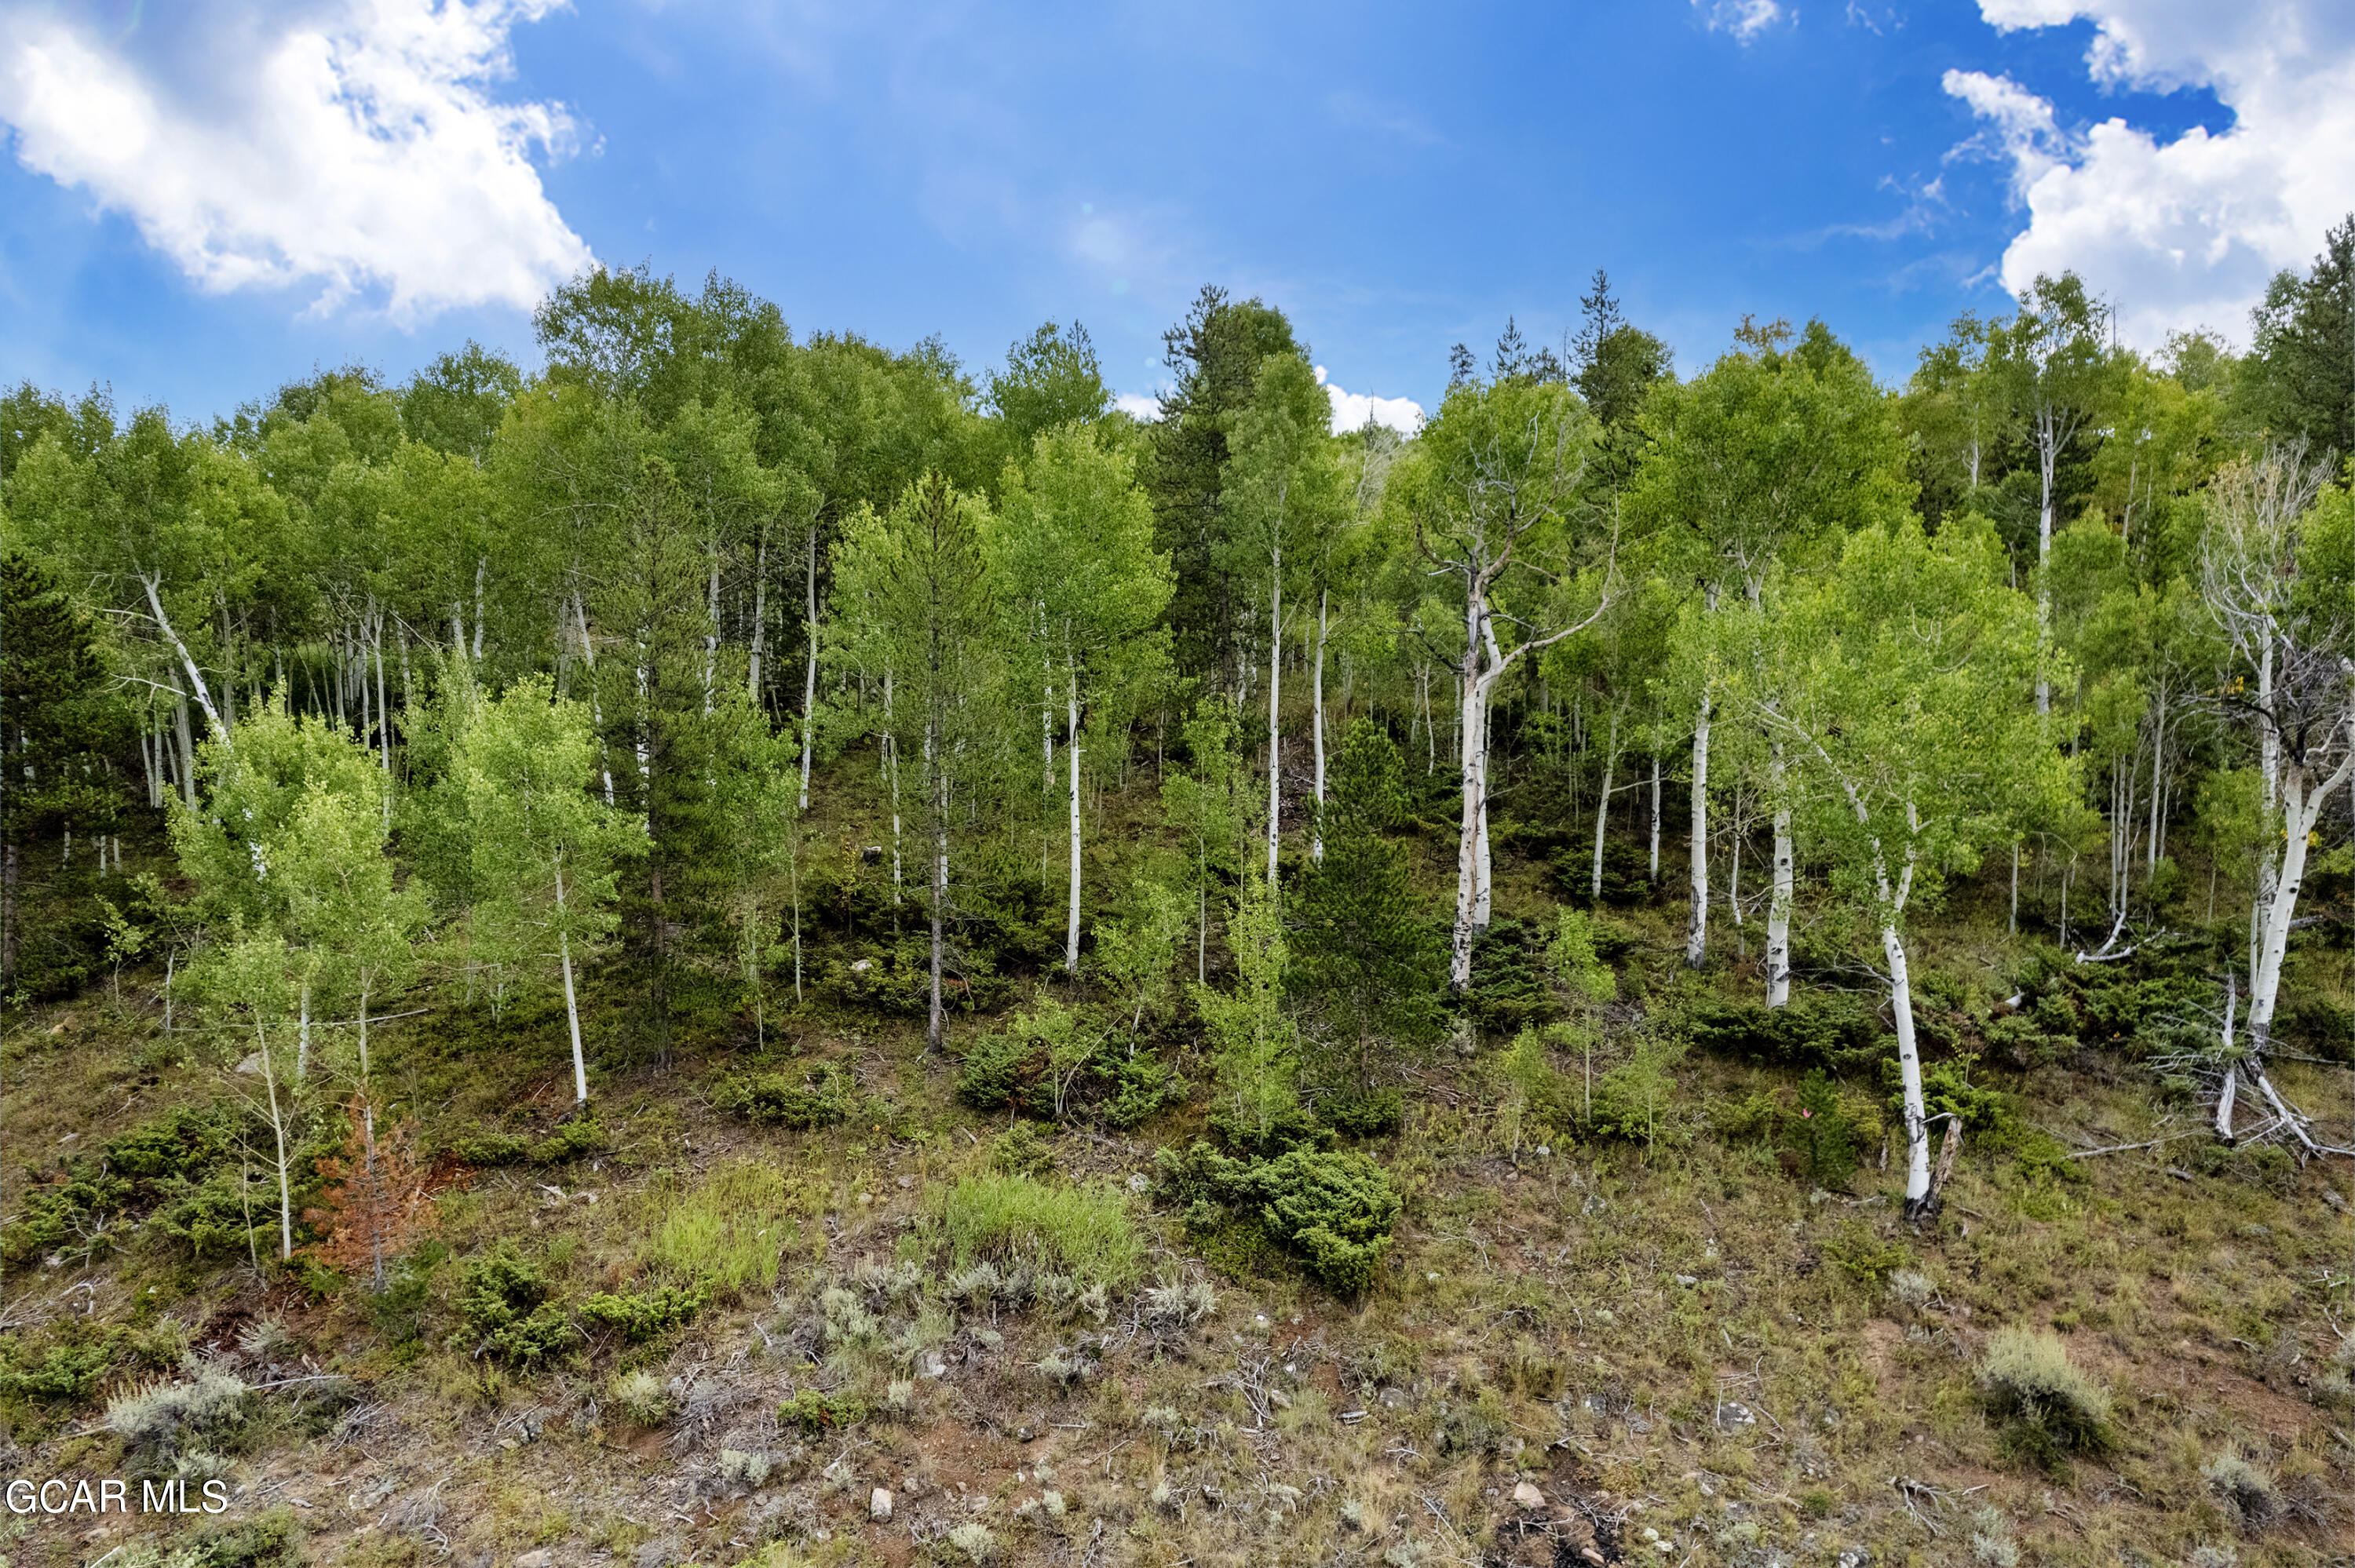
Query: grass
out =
(1083, 1233)
(729, 1232)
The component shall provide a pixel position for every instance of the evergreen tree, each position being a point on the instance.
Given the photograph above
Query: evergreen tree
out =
(1362, 948)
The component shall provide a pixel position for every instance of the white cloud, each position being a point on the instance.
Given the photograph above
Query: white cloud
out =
(2184, 233)
(1352, 409)
(1745, 19)
(350, 144)
(1138, 405)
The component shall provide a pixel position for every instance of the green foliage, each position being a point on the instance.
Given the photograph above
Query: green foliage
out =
(1630, 1098)
(1082, 1232)
(1363, 1113)
(76, 1357)
(572, 1140)
(1361, 945)
(643, 1314)
(1863, 1256)
(1821, 1133)
(1829, 1031)
(1253, 1042)
(503, 1300)
(1053, 1063)
(814, 1413)
(1332, 1210)
(1511, 988)
(816, 1096)
(1020, 1151)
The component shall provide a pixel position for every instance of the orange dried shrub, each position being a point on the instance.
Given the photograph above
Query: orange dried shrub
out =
(378, 1200)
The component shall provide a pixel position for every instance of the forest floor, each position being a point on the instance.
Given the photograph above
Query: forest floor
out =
(1668, 1350)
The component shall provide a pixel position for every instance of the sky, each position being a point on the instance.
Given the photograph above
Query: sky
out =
(203, 199)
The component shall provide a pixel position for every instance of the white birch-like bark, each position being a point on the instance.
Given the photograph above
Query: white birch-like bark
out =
(1697, 924)
(2050, 432)
(891, 770)
(1909, 1071)
(278, 1130)
(383, 713)
(185, 764)
(1656, 819)
(1071, 761)
(760, 614)
(2301, 809)
(571, 1003)
(1603, 805)
(2231, 1068)
(809, 680)
(204, 694)
(1316, 727)
(1778, 904)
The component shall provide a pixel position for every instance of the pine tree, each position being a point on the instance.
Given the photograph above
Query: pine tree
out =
(1363, 950)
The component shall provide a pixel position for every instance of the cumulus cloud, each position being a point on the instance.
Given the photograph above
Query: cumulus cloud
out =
(1138, 405)
(1352, 409)
(1745, 19)
(353, 146)
(2183, 233)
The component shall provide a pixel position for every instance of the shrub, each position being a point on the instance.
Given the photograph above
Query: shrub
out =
(814, 1411)
(1363, 1113)
(641, 1317)
(1864, 1258)
(155, 1420)
(81, 1357)
(1837, 1033)
(1334, 1211)
(973, 1541)
(567, 1142)
(2048, 1407)
(818, 1098)
(1820, 1132)
(639, 1396)
(503, 1298)
(1013, 1219)
(1020, 1151)
(2250, 1493)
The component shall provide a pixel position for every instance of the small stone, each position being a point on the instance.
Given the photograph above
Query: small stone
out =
(1527, 1496)
(1139, 1182)
(907, 1183)
(539, 1559)
(1590, 1555)
(1664, 1547)
(1543, 1152)
(879, 1507)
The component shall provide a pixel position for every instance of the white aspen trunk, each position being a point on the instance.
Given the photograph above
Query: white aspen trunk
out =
(1603, 807)
(2301, 809)
(1071, 759)
(2047, 456)
(1697, 926)
(204, 694)
(1484, 887)
(809, 680)
(1778, 906)
(571, 1003)
(1656, 819)
(2231, 1069)
(278, 1130)
(187, 761)
(1274, 692)
(1909, 1070)
(1316, 727)
(383, 714)
(482, 567)
(2157, 779)
(1468, 852)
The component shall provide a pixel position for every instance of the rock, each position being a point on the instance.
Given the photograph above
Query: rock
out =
(907, 1183)
(1139, 1182)
(1590, 1555)
(1688, 1280)
(1528, 1495)
(1734, 1415)
(930, 1365)
(655, 1554)
(539, 1559)
(878, 1506)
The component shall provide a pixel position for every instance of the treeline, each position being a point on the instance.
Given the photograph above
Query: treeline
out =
(579, 661)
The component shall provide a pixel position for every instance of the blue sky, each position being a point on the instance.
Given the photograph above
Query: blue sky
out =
(200, 201)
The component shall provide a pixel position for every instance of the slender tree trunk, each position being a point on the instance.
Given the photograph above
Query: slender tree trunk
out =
(571, 1002)
(1778, 906)
(482, 569)
(1072, 759)
(1472, 726)
(809, 680)
(1656, 819)
(2232, 1067)
(187, 757)
(1603, 805)
(303, 1037)
(2047, 456)
(1274, 692)
(2301, 809)
(1909, 1071)
(1697, 924)
(278, 1129)
(204, 695)
(1317, 726)
(760, 614)
(383, 714)
(891, 769)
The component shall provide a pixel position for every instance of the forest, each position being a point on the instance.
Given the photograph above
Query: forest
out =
(796, 937)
